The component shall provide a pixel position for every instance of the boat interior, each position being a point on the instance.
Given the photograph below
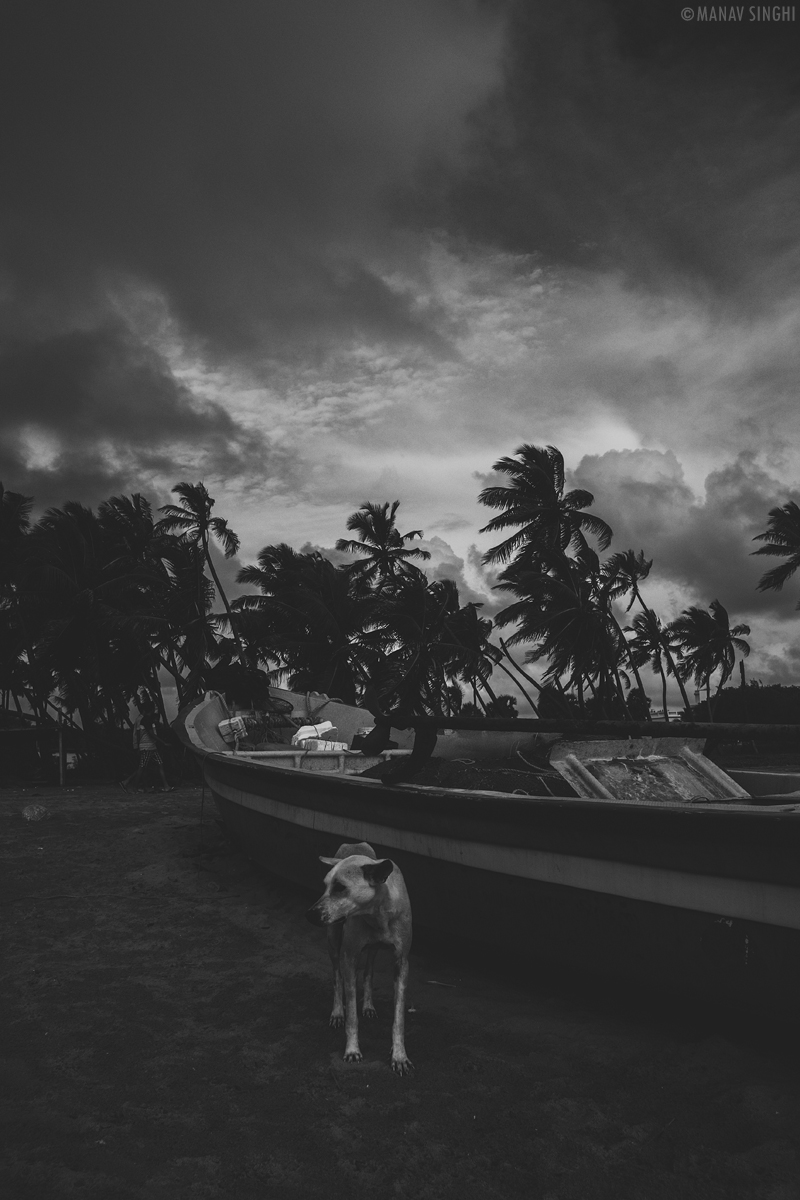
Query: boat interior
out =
(645, 770)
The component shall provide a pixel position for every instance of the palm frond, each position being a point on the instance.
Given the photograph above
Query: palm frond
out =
(224, 535)
(774, 579)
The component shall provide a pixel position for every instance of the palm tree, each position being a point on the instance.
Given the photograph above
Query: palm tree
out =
(474, 656)
(782, 539)
(321, 624)
(535, 501)
(187, 635)
(148, 554)
(81, 591)
(192, 518)
(433, 644)
(342, 626)
(267, 623)
(547, 695)
(129, 520)
(502, 706)
(170, 592)
(614, 581)
(385, 555)
(708, 644)
(15, 512)
(649, 645)
(624, 571)
(559, 610)
(16, 656)
(274, 565)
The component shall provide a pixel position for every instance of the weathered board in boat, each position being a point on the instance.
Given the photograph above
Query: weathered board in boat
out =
(693, 900)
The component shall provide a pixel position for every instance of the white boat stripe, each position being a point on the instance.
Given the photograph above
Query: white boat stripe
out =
(768, 903)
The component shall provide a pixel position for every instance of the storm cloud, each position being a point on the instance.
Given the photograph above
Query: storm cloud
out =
(237, 159)
(317, 253)
(188, 189)
(91, 410)
(703, 543)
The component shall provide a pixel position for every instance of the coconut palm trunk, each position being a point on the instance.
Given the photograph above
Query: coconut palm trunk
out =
(521, 688)
(223, 597)
(629, 657)
(670, 660)
(664, 691)
(533, 681)
(621, 693)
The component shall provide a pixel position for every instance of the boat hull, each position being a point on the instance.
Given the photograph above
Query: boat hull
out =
(699, 904)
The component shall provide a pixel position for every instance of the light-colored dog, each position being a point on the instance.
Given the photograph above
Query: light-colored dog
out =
(365, 906)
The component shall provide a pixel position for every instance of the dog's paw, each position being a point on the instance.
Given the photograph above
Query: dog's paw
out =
(336, 1021)
(403, 1066)
(353, 1056)
(369, 1012)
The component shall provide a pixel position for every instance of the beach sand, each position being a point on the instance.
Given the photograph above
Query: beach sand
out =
(163, 1017)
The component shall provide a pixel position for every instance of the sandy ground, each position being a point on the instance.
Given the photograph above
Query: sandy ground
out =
(164, 1035)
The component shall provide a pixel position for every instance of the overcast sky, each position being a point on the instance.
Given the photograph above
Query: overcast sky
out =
(318, 253)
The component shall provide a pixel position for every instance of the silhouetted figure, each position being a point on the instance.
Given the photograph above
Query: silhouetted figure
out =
(145, 742)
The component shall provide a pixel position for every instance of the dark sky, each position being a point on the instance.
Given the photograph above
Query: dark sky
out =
(319, 253)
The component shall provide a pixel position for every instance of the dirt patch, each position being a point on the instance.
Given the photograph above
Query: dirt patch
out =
(163, 1035)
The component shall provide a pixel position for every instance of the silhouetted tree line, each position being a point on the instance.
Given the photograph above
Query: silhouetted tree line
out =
(775, 703)
(97, 606)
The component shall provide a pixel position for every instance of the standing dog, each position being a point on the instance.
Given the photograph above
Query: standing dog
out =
(365, 906)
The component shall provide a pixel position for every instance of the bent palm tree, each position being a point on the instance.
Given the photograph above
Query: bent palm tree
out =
(385, 554)
(535, 501)
(708, 644)
(475, 656)
(560, 612)
(650, 644)
(434, 643)
(624, 571)
(193, 519)
(782, 538)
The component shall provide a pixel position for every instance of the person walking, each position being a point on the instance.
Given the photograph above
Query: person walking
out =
(145, 742)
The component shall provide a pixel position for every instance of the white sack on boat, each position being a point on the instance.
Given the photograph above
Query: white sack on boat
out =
(321, 744)
(312, 731)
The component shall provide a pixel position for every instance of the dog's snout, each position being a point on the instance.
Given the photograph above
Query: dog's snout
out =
(314, 915)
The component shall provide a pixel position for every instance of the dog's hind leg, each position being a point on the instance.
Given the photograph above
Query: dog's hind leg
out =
(335, 949)
(400, 1060)
(367, 1006)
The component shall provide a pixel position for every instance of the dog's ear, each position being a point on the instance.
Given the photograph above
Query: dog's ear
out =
(329, 862)
(378, 872)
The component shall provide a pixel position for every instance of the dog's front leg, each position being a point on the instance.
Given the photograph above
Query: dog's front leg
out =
(352, 1052)
(334, 949)
(367, 1006)
(400, 1060)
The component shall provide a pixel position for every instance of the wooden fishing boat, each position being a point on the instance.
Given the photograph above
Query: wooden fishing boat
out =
(694, 893)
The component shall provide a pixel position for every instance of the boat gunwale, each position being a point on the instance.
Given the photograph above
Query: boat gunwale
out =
(754, 843)
(590, 803)
(749, 841)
